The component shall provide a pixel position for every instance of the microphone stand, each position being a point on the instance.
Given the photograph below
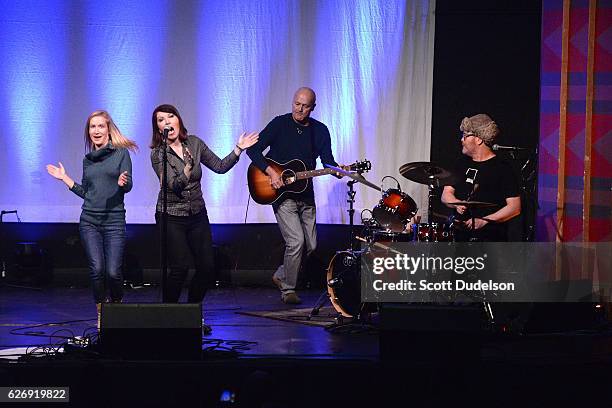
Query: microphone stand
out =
(528, 188)
(528, 172)
(164, 218)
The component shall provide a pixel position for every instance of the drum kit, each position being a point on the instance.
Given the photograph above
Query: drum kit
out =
(392, 220)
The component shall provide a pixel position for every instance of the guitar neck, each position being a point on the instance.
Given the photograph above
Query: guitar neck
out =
(301, 175)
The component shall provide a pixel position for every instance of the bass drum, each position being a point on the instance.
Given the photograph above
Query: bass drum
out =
(344, 282)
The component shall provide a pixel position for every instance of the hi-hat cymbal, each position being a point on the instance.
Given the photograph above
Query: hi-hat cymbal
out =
(429, 173)
(473, 204)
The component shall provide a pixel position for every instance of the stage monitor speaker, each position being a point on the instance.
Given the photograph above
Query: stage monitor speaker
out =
(563, 317)
(146, 331)
(412, 332)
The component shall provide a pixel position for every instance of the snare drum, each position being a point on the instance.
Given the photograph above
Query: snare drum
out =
(434, 232)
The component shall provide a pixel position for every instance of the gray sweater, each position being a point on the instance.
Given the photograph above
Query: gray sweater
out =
(103, 197)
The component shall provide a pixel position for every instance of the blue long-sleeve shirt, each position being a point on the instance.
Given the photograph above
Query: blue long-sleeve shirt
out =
(288, 140)
(103, 197)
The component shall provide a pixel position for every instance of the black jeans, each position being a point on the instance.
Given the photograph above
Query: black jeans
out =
(188, 237)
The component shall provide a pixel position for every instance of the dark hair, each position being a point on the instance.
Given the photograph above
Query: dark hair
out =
(156, 139)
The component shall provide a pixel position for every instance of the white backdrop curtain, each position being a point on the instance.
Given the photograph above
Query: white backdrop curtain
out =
(229, 66)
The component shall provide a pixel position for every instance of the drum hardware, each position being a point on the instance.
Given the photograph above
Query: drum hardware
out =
(355, 176)
(471, 206)
(379, 245)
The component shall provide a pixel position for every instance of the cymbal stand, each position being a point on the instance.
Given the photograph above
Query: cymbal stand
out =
(433, 183)
(486, 305)
(324, 297)
(351, 211)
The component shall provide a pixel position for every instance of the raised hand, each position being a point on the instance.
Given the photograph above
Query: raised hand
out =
(57, 172)
(123, 179)
(247, 140)
(60, 174)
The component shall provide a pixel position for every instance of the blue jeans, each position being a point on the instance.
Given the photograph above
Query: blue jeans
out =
(104, 245)
(297, 222)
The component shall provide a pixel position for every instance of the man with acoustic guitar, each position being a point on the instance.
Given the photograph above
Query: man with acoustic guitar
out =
(296, 140)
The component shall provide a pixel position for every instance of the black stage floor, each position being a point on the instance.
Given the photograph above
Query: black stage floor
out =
(259, 361)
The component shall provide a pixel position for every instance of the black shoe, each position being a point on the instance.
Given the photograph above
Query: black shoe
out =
(206, 329)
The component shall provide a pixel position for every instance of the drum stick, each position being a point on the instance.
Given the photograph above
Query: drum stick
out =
(379, 245)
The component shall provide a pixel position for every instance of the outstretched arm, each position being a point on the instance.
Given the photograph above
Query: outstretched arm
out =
(60, 174)
(245, 141)
(218, 165)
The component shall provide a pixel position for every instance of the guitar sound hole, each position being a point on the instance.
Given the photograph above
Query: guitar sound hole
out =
(288, 177)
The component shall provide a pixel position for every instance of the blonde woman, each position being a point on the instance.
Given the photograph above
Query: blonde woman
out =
(107, 176)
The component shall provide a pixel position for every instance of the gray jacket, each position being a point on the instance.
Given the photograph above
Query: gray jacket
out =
(185, 195)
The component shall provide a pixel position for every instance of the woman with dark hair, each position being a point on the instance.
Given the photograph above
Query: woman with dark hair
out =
(188, 230)
(107, 176)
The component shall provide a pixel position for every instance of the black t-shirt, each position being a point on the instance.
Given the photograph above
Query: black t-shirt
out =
(492, 181)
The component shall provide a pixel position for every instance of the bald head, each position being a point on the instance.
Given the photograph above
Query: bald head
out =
(307, 92)
(304, 101)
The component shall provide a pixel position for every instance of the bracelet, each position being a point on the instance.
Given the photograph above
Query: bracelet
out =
(240, 148)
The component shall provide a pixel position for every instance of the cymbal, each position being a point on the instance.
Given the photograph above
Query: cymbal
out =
(429, 173)
(354, 175)
(473, 204)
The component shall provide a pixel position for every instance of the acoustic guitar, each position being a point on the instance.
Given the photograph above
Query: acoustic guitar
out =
(294, 175)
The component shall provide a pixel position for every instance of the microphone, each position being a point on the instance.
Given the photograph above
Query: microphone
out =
(167, 130)
(497, 147)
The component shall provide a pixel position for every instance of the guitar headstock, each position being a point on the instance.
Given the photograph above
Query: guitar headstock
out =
(361, 166)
